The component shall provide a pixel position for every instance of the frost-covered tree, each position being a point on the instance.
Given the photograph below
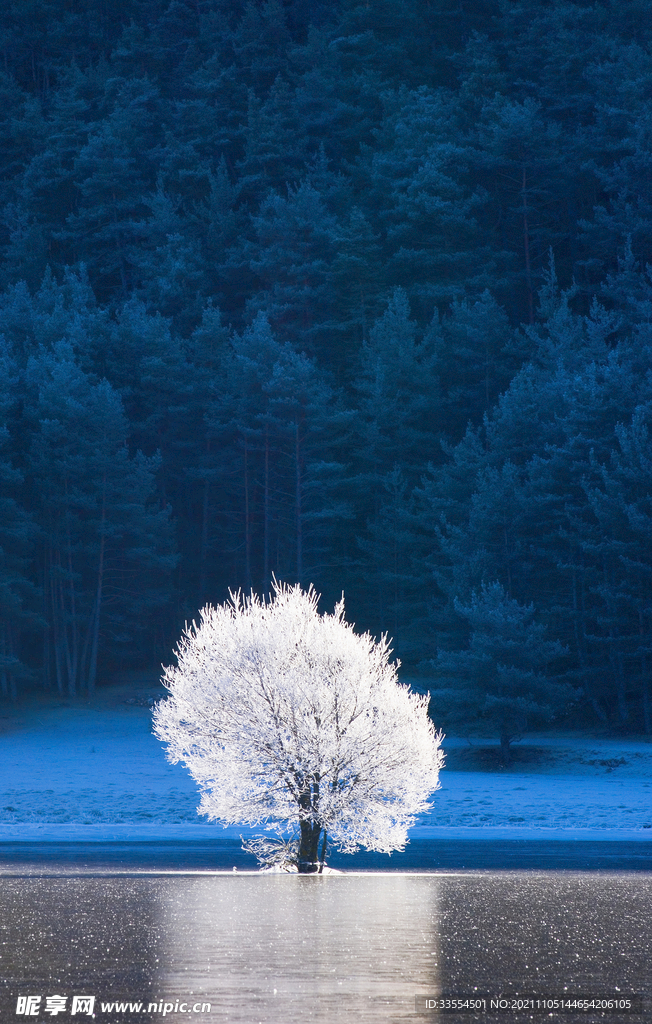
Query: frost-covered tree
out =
(289, 719)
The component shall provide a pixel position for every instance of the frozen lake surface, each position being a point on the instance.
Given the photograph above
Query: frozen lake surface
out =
(348, 948)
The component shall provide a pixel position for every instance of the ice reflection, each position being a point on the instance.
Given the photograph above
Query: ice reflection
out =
(330, 949)
(543, 932)
(76, 936)
(288, 949)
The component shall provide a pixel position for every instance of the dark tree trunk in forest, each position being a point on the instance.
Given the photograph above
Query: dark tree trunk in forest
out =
(56, 627)
(93, 632)
(645, 692)
(92, 668)
(203, 546)
(266, 577)
(247, 520)
(4, 676)
(505, 748)
(7, 650)
(298, 503)
(72, 635)
(526, 247)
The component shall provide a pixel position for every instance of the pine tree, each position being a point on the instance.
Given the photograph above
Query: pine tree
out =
(202, 461)
(221, 225)
(396, 432)
(22, 134)
(275, 149)
(106, 547)
(395, 597)
(115, 171)
(167, 264)
(520, 159)
(277, 427)
(620, 502)
(336, 92)
(18, 533)
(399, 394)
(617, 143)
(498, 684)
(477, 355)
(512, 506)
(417, 178)
(292, 256)
(46, 193)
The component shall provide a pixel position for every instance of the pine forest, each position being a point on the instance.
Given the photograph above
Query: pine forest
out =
(355, 294)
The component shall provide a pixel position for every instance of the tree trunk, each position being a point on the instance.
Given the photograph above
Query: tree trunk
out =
(56, 628)
(505, 748)
(4, 675)
(308, 860)
(526, 246)
(9, 679)
(322, 856)
(47, 667)
(621, 697)
(266, 576)
(92, 669)
(71, 635)
(203, 546)
(247, 522)
(299, 519)
(647, 716)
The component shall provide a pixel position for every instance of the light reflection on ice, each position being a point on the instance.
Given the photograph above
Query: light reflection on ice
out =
(283, 948)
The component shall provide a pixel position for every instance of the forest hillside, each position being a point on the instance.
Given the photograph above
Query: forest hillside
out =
(352, 294)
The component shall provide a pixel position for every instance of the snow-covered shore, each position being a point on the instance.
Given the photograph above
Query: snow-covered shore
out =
(73, 770)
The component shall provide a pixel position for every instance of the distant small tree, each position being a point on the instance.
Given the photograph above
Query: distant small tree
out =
(498, 684)
(288, 718)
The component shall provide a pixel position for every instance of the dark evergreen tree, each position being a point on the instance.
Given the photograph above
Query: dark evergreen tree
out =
(107, 548)
(203, 463)
(221, 224)
(499, 685)
(292, 256)
(397, 430)
(623, 556)
(168, 263)
(417, 180)
(398, 391)
(46, 192)
(277, 427)
(511, 504)
(115, 172)
(38, 39)
(260, 43)
(18, 533)
(477, 355)
(275, 150)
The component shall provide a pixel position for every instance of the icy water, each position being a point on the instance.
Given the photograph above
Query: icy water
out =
(338, 948)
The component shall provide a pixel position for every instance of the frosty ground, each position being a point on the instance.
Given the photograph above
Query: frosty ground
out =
(71, 769)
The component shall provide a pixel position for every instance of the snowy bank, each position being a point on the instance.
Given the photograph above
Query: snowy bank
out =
(74, 770)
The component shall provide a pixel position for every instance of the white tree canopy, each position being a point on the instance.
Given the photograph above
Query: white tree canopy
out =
(285, 717)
